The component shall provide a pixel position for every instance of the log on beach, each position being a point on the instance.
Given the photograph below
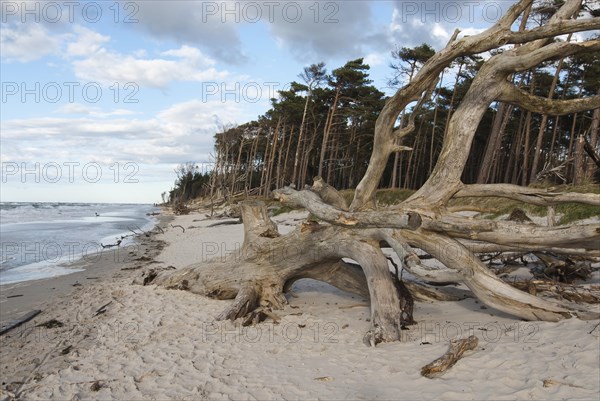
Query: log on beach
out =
(455, 352)
(17, 322)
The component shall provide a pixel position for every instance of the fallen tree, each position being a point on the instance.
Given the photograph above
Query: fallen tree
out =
(258, 274)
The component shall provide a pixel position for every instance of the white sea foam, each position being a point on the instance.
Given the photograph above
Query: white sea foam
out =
(39, 239)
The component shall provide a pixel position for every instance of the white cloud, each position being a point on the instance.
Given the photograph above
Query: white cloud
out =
(78, 108)
(374, 59)
(330, 29)
(27, 42)
(88, 42)
(74, 108)
(140, 53)
(190, 53)
(181, 132)
(470, 32)
(438, 31)
(102, 65)
(201, 115)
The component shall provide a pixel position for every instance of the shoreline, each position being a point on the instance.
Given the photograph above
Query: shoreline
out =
(16, 299)
(43, 345)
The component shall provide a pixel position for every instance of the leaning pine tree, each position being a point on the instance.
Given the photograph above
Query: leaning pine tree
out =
(258, 275)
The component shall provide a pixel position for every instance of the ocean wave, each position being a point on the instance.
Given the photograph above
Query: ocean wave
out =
(34, 232)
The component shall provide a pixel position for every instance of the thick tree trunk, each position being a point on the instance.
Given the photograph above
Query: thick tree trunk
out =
(579, 164)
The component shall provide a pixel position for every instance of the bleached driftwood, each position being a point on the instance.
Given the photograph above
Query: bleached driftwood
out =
(455, 352)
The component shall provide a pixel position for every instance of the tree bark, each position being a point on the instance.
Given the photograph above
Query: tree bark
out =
(593, 165)
(579, 164)
(300, 140)
(494, 142)
(455, 352)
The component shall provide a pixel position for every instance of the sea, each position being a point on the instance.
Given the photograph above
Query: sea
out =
(42, 240)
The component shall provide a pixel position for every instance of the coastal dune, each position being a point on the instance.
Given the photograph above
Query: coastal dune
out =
(123, 341)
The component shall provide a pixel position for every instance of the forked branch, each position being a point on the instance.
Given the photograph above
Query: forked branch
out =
(543, 105)
(330, 214)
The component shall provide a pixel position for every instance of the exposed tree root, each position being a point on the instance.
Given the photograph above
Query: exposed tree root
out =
(257, 274)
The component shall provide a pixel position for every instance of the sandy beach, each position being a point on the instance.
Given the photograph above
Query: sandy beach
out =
(117, 340)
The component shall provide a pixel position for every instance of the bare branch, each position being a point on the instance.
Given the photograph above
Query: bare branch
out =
(403, 131)
(412, 262)
(514, 234)
(400, 148)
(537, 104)
(533, 196)
(512, 14)
(486, 247)
(330, 214)
(522, 58)
(567, 11)
(430, 72)
(556, 29)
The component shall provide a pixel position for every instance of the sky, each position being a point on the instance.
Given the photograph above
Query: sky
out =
(101, 100)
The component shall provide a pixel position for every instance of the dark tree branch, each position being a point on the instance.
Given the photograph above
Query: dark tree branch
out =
(542, 105)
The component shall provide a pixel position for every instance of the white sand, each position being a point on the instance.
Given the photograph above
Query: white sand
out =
(154, 343)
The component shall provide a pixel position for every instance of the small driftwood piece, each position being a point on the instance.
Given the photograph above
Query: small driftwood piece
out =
(118, 243)
(51, 324)
(225, 223)
(177, 225)
(446, 361)
(562, 268)
(17, 322)
(142, 232)
(102, 309)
